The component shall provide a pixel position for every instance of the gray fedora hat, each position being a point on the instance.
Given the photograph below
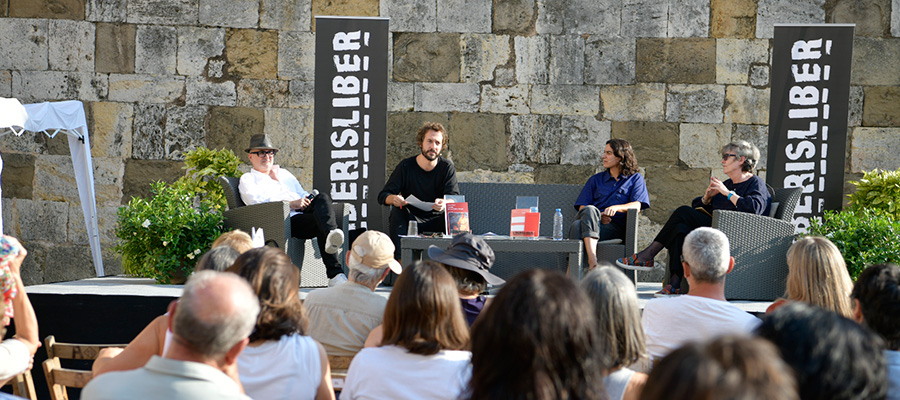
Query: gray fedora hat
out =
(260, 141)
(469, 252)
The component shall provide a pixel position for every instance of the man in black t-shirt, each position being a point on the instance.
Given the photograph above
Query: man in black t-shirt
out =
(428, 177)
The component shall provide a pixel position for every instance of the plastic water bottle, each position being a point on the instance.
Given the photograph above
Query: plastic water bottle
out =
(558, 225)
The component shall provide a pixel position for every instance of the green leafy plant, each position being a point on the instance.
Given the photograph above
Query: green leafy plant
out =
(877, 189)
(864, 236)
(204, 167)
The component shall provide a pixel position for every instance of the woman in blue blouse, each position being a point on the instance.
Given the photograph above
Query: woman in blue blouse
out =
(743, 191)
(605, 198)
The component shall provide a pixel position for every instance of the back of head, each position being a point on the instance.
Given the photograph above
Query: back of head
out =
(878, 291)
(276, 282)
(217, 259)
(832, 357)
(216, 311)
(423, 313)
(537, 340)
(236, 239)
(706, 252)
(618, 314)
(730, 367)
(818, 275)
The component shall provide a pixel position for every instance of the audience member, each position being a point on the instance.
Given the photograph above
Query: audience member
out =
(817, 275)
(704, 313)
(742, 191)
(341, 317)
(236, 239)
(422, 355)
(16, 354)
(728, 368)
(538, 340)
(606, 197)
(217, 259)
(210, 325)
(833, 358)
(468, 259)
(876, 300)
(619, 321)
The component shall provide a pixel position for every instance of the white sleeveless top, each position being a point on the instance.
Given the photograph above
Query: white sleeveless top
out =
(289, 368)
(616, 383)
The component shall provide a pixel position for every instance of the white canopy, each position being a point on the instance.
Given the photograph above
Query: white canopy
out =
(52, 118)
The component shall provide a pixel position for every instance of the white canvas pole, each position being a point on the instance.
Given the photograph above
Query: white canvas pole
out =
(84, 177)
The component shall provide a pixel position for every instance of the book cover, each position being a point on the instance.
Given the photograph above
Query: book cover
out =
(524, 223)
(457, 218)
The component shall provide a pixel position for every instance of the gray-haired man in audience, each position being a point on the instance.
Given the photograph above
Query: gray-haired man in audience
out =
(703, 313)
(341, 317)
(210, 326)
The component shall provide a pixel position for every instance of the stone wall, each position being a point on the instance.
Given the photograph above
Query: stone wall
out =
(530, 90)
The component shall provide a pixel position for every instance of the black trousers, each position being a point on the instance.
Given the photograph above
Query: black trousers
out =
(680, 223)
(398, 224)
(315, 222)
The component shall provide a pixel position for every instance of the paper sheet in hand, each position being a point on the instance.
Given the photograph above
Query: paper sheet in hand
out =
(415, 202)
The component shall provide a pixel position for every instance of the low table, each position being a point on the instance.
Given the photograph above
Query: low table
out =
(411, 248)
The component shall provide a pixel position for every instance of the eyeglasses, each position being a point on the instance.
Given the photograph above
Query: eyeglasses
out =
(726, 155)
(263, 153)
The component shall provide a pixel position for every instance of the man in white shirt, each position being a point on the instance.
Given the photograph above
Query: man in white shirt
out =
(702, 314)
(311, 216)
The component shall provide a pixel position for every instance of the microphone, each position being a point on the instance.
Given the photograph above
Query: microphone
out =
(312, 194)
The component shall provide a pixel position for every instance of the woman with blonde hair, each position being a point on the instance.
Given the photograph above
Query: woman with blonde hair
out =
(817, 275)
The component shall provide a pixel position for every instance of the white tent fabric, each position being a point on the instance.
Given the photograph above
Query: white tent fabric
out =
(52, 118)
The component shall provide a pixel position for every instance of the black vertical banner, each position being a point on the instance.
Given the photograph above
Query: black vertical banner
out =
(808, 114)
(351, 113)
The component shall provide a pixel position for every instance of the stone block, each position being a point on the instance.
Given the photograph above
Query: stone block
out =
(514, 16)
(482, 54)
(567, 62)
(362, 8)
(231, 127)
(114, 48)
(148, 142)
(106, 221)
(155, 50)
(139, 174)
(759, 76)
(872, 148)
(856, 106)
(401, 135)
(229, 14)
(654, 143)
(734, 58)
(874, 62)
(202, 91)
(599, 17)
(563, 174)
(771, 12)
(695, 103)
(303, 95)
(532, 59)
(609, 61)
(53, 9)
(196, 46)
(688, 18)
(401, 96)
(565, 99)
(185, 130)
(27, 143)
(644, 18)
(24, 44)
(732, 18)
(437, 97)
(296, 55)
(699, 144)
(167, 12)
(410, 15)
(480, 175)
(145, 88)
(534, 139)
(42, 220)
(469, 16)
(18, 175)
(895, 18)
(504, 76)
(480, 141)
(746, 105)
(292, 131)
(285, 15)
(38, 86)
(691, 60)
(111, 133)
(71, 45)
(105, 11)
(426, 57)
(33, 267)
(255, 54)
(68, 263)
(872, 17)
(584, 140)
(550, 17)
(263, 93)
(5, 84)
(639, 102)
(671, 187)
(756, 134)
(54, 178)
(505, 100)
(881, 106)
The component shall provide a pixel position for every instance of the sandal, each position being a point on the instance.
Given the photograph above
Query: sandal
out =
(668, 291)
(632, 263)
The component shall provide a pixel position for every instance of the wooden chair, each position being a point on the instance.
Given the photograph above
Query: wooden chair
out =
(23, 385)
(339, 366)
(59, 378)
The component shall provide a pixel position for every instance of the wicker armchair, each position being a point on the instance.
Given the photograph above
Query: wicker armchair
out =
(274, 218)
